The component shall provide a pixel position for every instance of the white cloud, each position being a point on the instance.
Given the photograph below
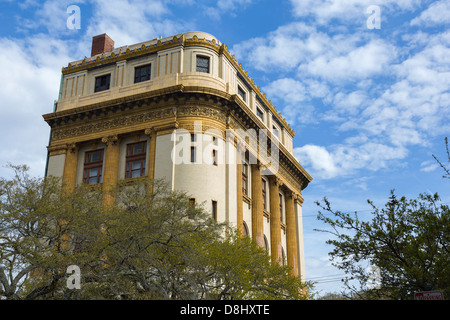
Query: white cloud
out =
(287, 89)
(226, 7)
(144, 20)
(33, 69)
(51, 14)
(295, 98)
(347, 11)
(339, 57)
(350, 104)
(428, 166)
(381, 97)
(359, 62)
(437, 13)
(320, 160)
(345, 159)
(284, 48)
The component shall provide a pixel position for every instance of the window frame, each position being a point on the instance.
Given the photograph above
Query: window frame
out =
(266, 244)
(214, 209)
(276, 132)
(281, 197)
(245, 229)
(215, 152)
(89, 165)
(245, 167)
(130, 158)
(140, 67)
(260, 113)
(104, 87)
(205, 58)
(193, 147)
(242, 93)
(245, 178)
(264, 193)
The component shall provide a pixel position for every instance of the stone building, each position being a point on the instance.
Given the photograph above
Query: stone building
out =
(182, 109)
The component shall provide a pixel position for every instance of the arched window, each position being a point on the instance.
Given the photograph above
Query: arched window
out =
(245, 229)
(266, 244)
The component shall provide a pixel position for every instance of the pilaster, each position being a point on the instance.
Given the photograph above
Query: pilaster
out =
(275, 227)
(70, 167)
(151, 155)
(291, 233)
(257, 205)
(111, 168)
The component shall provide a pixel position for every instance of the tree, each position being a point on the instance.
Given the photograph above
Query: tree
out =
(36, 218)
(173, 250)
(407, 244)
(446, 170)
(149, 245)
(243, 270)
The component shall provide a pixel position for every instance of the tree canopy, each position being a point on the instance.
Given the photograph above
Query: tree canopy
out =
(406, 245)
(149, 245)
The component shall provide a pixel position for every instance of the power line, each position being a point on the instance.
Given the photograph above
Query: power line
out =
(327, 276)
(327, 279)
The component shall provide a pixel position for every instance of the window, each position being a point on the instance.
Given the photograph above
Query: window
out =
(214, 209)
(135, 161)
(264, 194)
(260, 114)
(202, 64)
(245, 229)
(276, 132)
(214, 157)
(281, 207)
(93, 166)
(245, 174)
(245, 178)
(142, 73)
(266, 244)
(215, 152)
(241, 93)
(193, 148)
(102, 83)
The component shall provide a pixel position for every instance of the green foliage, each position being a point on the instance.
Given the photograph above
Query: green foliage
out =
(408, 240)
(147, 246)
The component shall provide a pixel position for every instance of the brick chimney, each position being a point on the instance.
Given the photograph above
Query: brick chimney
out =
(101, 43)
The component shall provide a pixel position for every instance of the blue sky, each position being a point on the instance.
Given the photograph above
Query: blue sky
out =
(370, 106)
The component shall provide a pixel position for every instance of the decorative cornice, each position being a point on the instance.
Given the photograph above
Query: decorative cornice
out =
(139, 112)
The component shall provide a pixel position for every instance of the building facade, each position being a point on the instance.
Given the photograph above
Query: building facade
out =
(184, 110)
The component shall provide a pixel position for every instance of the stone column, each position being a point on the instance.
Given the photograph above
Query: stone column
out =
(111, 168)
(291, 233)
(275, 226)
(151, 156)
(69, 179)
(239, 205)
(257, 205)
